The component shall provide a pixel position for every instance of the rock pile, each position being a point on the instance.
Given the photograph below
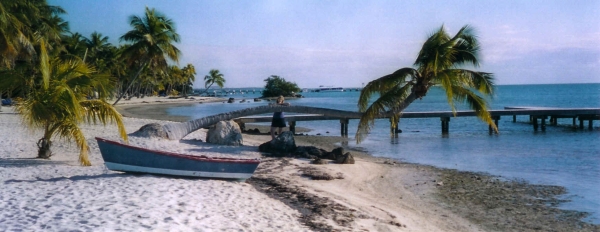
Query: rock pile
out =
(285, 146)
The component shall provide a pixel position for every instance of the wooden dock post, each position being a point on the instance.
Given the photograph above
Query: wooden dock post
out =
(394, 127)
(543, 122)
(445, 124)
(514, 118)
(344, 127)
(495, 118)
(591, 119)
(292, 126)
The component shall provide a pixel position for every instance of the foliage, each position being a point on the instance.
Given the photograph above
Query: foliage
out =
(277, 86)
(151, 39)
(214, 77)
(57, 102)
(23, 24)
(440, 62)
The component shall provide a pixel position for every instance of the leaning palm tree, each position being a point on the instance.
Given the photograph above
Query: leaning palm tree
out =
(213, 77)
(151, 41)
(58, 104)
(439, 63)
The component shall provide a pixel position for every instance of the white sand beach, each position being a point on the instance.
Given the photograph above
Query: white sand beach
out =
(60, 195)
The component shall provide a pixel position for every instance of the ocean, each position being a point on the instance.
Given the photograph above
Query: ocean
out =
(561, 155)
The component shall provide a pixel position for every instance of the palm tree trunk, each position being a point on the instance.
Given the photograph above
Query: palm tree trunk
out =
(402, 106)
(131, 84)
(176, 131)
(44, 151)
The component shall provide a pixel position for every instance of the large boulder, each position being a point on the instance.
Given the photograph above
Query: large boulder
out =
(282, 145)
(152, 130)
(225, 133)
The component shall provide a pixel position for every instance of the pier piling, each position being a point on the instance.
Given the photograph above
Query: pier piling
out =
(445, 124)
(344, 127)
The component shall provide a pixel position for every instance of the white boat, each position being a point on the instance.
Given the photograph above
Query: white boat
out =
(330, 89)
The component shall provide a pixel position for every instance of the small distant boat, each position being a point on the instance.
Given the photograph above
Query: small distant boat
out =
(126, 158)
(330, 89)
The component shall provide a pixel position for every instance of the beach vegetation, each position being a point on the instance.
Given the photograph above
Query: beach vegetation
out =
(277, 86)
(58, 101)
(442, 62)
(150, 45)
(214, 77)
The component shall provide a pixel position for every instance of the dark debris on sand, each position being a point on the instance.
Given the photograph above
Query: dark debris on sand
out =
(315, 210)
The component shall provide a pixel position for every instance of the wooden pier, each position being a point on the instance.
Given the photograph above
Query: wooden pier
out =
(535, 114)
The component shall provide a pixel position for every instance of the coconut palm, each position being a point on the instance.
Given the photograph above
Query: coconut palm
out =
(58, 104)
(189, 75)
(213, 77)
(151, 41)
(22, 24)
(439, 63)
(95, 45)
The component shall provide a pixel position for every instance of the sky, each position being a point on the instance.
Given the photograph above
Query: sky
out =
(349, 43)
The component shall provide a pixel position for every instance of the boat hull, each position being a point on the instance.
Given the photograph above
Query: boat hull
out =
(126, 158)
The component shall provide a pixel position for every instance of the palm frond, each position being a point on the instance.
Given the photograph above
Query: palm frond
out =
(69, 130)
(476, 103)
(390, 100)
(101, 111)
(384, 84)
(44, 65)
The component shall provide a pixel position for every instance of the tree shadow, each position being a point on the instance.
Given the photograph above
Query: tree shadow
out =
(71, 178)
(27, 162)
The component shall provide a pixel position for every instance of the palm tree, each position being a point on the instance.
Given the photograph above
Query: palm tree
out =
(95, 45)
(189, 75)
(178, 130)
(213, 77)
(58, 104)
(22, 24)
(440, 62)
(151, 42)
(74, 46)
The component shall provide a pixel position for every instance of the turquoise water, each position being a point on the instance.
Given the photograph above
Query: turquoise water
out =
(561, 155)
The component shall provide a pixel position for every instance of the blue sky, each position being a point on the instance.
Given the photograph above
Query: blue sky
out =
(348, 43)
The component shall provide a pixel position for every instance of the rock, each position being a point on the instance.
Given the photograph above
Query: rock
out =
(309, 152)
(231, 100)
(282, 145)
(257, 100)
(345, 159)
(253, 131)
(319, 161)
(334, 154)
(152, 130)
(225, 133)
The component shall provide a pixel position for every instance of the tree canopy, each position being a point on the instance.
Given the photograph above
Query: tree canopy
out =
(440, 62)
(277, 86)
(62, 79)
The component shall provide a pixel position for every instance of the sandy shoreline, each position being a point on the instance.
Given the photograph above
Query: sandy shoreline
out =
(374, 194)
